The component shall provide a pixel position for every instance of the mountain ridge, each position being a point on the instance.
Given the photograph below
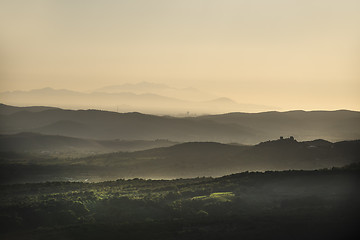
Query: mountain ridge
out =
(188, 160)
(244, 128)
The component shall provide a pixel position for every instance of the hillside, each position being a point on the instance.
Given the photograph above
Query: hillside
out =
(245, 128)
(332, 125)
(126, 126)
(303, 204)
(60, 146)
(185, 160)
(6, 109)
(215, 159)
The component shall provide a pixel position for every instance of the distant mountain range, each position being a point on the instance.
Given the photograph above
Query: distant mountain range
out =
(246, 128)
(142, 97)
(191, 94)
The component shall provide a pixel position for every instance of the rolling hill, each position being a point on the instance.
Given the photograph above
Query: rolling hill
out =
(215, 159)
(6, 109)
(306, 125)
(126, 126)
(246, 128)
(186, 160)
(58, 146)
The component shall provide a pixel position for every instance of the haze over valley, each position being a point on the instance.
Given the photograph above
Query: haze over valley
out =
(178, 120)
(103, 145)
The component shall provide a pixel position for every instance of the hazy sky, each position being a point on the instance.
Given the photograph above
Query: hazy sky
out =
(293, 54)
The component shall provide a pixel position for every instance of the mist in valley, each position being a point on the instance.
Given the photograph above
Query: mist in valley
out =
(179, 119)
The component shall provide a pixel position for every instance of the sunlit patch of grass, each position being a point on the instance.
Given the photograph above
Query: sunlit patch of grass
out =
(199, 198)
(222, 194)
(218, 196)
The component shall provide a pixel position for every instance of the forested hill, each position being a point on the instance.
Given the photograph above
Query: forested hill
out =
(271, 205)
(214, 159)
(185, 160)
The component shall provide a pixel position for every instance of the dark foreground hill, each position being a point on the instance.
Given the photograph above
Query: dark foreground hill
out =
(272, 205)
(182, 161)
(246, 128)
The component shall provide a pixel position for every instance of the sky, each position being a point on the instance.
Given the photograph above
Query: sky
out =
(292, 54)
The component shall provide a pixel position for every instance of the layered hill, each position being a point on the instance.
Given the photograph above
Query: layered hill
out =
(54, 145)
(6, 109)
(247, 128)
(185, 160)
(126, 126)
(331, 125)
(215, 159)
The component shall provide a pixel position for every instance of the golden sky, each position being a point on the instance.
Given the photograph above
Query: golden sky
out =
(292, 54)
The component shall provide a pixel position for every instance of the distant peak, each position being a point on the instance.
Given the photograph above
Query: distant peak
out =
(44, 89)
(223, 100)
